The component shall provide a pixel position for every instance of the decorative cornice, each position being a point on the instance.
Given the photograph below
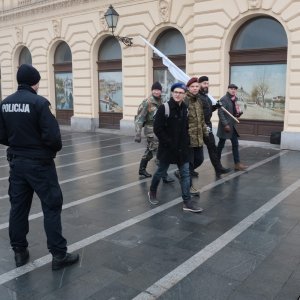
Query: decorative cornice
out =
(39, 8)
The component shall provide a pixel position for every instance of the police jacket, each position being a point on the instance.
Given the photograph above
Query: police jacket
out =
(27, 125)
(172, 133)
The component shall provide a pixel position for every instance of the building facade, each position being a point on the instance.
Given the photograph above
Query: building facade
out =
(94, 80)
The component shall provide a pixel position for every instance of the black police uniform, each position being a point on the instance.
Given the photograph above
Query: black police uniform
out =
(32, 135)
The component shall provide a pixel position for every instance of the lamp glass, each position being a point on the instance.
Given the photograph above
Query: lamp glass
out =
(111, 17)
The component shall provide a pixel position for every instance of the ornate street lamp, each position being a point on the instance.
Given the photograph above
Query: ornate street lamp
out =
(111, 18)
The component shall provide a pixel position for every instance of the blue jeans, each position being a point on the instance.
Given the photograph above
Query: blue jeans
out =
(184, 171)
(235, 147)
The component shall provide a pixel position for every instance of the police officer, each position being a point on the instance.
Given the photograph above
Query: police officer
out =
(145, 119)
(32, 135)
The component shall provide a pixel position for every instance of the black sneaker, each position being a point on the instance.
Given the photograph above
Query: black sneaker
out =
(21, 256)
(59, 262)
(144, 173)
(152, 198)
(225, 170)
(192, 206)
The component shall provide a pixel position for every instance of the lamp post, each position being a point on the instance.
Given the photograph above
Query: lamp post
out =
(111, 18)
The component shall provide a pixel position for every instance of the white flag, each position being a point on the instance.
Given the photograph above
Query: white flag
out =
(173, 69)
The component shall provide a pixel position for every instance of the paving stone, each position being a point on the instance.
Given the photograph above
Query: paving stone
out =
(201, 285)
(115, 291)
(234, 263)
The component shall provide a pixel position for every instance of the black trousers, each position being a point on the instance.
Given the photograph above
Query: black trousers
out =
(196, 157)
(26, 177)
(212, 152)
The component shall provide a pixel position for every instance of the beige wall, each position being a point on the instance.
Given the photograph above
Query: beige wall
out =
(207, 26)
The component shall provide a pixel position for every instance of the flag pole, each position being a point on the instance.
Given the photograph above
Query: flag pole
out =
(229, 114)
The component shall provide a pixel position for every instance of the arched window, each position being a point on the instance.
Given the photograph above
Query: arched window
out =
(172, 44)
(63, 83)
(25, 57)
(258, 67)
(110, 83)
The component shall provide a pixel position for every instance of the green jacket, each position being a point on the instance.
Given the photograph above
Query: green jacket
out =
(146, 116)
(197, 126)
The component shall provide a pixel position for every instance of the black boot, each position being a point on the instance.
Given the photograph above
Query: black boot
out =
(224, 170)
(21, 256)
(59, 262)
(142, 170)
(221, 170)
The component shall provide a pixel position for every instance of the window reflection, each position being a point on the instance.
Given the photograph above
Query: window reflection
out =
(261, 90)
(110, 92)
(64, 90)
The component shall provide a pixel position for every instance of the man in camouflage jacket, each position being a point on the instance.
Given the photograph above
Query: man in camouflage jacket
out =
(197, 127)
(145, 118)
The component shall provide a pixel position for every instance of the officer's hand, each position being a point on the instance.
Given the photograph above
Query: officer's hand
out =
(227, 128)
(138, 138)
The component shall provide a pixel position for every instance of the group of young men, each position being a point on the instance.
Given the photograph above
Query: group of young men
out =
(179, 128)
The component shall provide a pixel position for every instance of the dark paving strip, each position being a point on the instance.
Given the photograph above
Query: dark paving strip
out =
(91, 142)
(83, 151)
(91, 160)
(86, 136)
(75, 145)
(95, 148)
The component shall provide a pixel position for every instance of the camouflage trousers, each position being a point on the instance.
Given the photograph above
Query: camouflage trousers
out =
(152, 145)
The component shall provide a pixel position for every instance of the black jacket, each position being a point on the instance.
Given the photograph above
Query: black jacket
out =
(27, 125)
(208, 108)
(172, 133)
